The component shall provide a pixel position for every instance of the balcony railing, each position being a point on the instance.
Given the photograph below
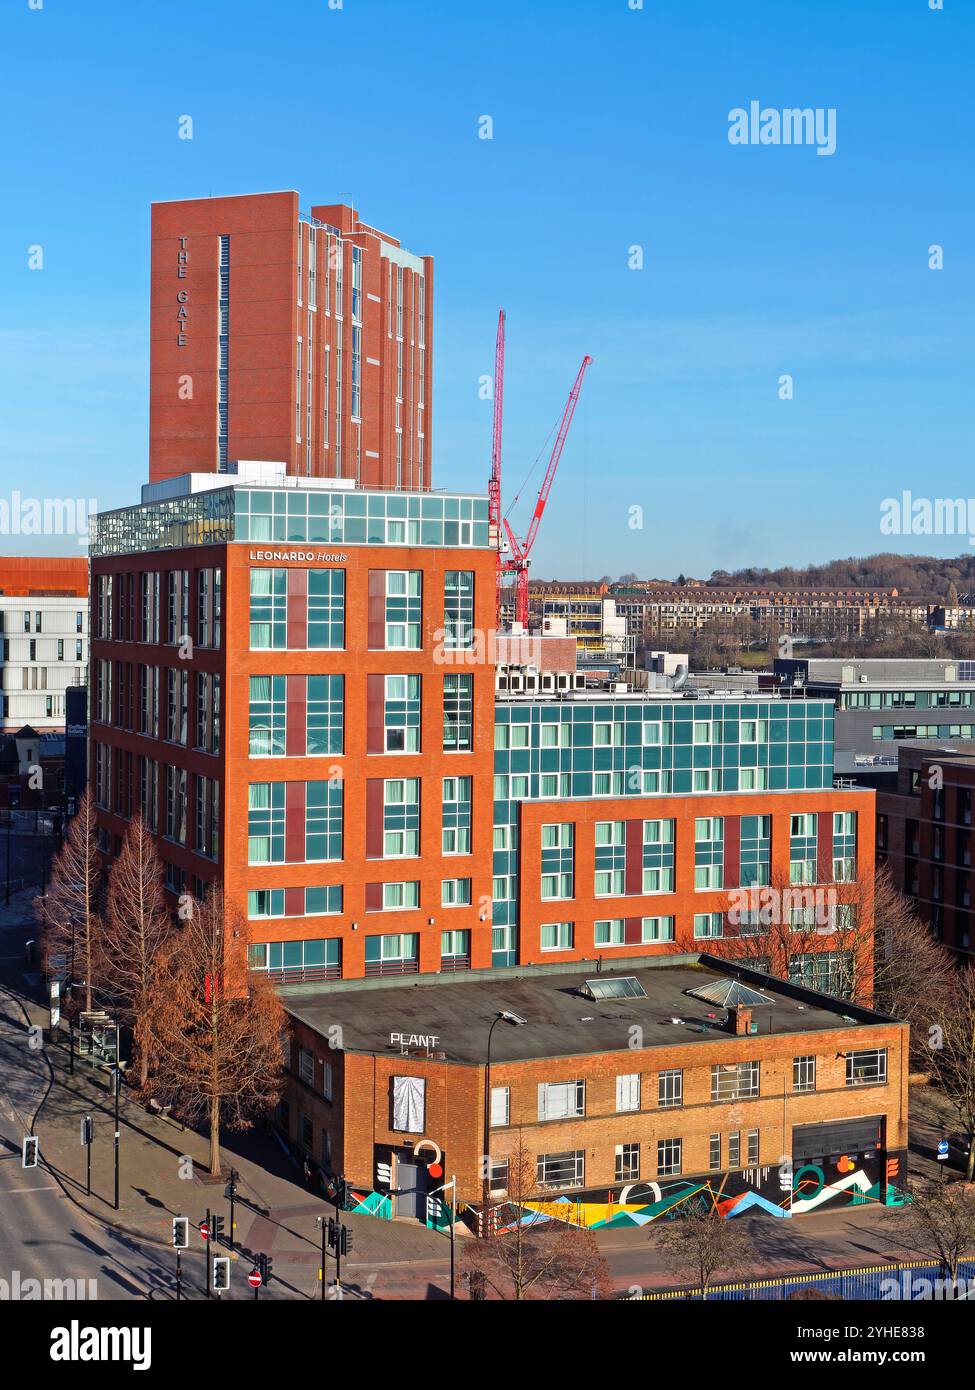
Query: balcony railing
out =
(449, 963)
(392, 967)
(304, 974)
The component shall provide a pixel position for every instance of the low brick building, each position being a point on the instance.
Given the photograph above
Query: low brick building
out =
(632, 1090)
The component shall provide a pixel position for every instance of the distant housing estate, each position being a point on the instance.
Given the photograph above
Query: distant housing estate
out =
(652, 609)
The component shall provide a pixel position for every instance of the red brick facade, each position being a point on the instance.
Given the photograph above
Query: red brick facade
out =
(234, 770)
(290, 290)
(685, 901)
(357, 1119)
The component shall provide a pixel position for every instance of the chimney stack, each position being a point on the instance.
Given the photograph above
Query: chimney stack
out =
(740, 1021)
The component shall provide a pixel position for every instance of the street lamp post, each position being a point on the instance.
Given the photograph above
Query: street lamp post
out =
(516, 1021)
(71, 1016)
(453, 1224)
(117, 1076)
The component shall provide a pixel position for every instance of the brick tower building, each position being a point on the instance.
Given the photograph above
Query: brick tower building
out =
(279, 335)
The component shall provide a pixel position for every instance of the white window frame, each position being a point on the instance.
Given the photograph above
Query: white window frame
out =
(627, 1092)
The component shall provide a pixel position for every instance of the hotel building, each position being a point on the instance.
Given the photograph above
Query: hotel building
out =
(282, 335)
(289, 680)
(273, 688)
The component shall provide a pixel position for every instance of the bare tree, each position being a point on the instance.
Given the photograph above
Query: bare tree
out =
(882, 953)
(135, 931)
(69, 910)
(951, 1056)
(217, 1032)
(547, 1259)
(915, 978)
(701, 1243)
(783, 927)
(940, 1223)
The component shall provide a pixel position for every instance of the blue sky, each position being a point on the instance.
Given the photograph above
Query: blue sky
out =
(610, 130)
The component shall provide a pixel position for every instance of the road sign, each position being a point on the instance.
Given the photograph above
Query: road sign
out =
(942, 1150)
(254, 1279)
(29, 1154)
(55, 1002)
(204, 1230)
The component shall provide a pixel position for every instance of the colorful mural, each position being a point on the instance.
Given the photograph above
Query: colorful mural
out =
(778, 1191)
(372, 1204)
(757, 1189)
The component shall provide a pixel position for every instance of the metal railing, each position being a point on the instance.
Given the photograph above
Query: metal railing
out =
(865, 1283)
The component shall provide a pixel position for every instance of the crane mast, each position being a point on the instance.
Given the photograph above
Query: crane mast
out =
(521, 550)
(494, 486)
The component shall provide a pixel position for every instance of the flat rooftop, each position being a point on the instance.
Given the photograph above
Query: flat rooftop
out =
(598, 694)
(906, 682)
(960, 752)
(561, 1022)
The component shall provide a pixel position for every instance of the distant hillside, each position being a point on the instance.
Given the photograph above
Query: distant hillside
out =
(925, 577)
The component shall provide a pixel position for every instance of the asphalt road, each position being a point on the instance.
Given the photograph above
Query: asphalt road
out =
(29, 856)
(43, 1234)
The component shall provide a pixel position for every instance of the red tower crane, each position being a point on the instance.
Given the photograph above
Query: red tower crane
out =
(521, 550)
(494, 486)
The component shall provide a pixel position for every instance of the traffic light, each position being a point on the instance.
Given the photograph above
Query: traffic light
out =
(181, 1232)
(230, 1191)
(30, 1151)
(331, 1233)
(216, 1228)
(335, 1190)
(346, 1239)
(221, 1274)
(264, 1264)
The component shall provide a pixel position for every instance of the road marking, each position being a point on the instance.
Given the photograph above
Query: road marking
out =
(22, 1191)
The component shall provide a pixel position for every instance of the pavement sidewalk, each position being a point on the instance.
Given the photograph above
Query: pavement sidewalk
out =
(164, 1173)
